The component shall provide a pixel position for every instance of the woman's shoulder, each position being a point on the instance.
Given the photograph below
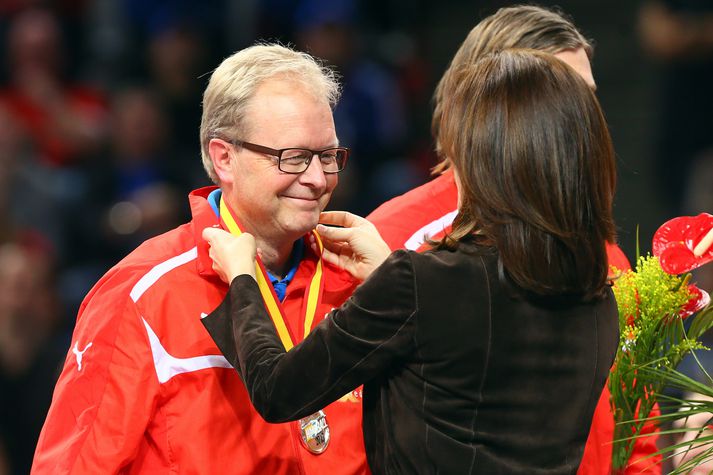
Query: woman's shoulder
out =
(466, 263)
(465, 252)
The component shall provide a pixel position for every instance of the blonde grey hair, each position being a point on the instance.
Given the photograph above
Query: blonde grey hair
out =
(235, 81)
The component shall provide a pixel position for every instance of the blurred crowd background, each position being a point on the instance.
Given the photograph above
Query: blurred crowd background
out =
(100, 111)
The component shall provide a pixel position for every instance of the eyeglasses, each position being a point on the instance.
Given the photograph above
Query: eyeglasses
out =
(297, 160)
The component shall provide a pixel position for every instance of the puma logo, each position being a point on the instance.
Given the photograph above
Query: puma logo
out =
(80, 354)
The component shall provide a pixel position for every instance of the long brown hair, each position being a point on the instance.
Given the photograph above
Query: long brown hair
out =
(521, 26)
(535, 167)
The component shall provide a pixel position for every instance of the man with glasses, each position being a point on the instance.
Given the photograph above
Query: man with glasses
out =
(144, 388)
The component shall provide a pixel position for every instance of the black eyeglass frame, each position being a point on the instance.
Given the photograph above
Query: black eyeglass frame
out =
(278, 154)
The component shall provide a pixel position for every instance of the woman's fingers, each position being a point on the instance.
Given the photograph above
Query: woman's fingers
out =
(211, 234)
(340, 255)
(339, 248)
(231, 255)
(334, 234)
(331, 258)
(335, 218)
(333, 247)
(246, 242)
(341, 218)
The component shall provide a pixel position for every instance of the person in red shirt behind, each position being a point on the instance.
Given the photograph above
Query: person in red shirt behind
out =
(409, 221)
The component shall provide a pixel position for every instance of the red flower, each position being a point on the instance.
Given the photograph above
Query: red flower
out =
(699, 300)
(684, 243)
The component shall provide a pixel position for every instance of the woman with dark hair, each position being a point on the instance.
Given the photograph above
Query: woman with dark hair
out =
(487, 354)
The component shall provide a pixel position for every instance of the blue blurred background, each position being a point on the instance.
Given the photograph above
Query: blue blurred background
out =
(100, 110)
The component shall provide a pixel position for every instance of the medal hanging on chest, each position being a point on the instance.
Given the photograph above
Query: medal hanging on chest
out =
(314, 429)
(314, 432)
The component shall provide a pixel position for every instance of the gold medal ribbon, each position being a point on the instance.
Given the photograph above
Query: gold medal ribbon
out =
(274, 308)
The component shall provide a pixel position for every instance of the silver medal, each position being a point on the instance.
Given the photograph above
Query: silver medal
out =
(314, 432)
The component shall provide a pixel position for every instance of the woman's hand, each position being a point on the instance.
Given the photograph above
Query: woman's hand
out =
(232, 255)
(355, 246)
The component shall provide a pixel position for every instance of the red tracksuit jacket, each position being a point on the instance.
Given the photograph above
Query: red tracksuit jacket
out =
(428, 210)
(145, 390)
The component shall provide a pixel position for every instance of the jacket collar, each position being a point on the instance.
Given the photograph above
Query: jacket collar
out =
(205, 217)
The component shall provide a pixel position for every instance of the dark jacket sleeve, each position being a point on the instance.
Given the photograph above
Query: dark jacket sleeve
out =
(360, 340)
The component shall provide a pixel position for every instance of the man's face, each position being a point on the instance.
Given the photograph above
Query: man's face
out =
(577, 59)
(273, 205)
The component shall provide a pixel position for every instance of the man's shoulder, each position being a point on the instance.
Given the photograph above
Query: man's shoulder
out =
(114, 300)
(145, 264)
(158, 249)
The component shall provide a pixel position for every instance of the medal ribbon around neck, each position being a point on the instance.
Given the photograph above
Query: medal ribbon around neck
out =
(274, 308)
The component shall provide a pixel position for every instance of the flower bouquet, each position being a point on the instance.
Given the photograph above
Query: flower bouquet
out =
(662, 316)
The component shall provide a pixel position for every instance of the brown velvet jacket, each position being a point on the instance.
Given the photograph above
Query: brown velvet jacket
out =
(462, 371)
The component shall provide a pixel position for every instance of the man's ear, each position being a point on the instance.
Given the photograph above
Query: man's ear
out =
(219, 151)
